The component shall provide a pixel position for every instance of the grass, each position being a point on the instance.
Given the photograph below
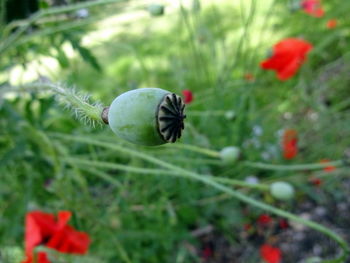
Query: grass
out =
(134, 217)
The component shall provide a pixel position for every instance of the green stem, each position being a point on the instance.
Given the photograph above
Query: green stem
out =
(208, 181)
(54, 30)
(128, 168)
(197, 149)
(8, 42)
(78, 103)
(265, 166)
(293, 167)
(99, 174)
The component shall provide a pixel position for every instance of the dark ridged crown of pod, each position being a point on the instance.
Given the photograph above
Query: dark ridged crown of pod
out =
(170, 117)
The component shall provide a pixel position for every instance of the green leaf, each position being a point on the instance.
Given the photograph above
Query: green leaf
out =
(84, 52)
(62, 58)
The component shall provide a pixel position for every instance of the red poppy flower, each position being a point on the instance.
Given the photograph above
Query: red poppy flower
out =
(329, 168)
(288, 55)
(316, 181)
(68, 240)
(332, 23)
(43, 229)
(290, 144)
(188, 96)
(264, 219)
(249, 77)
(312, 7)
(247, 227)
(270, 254)
(207, 252)
(283, 223)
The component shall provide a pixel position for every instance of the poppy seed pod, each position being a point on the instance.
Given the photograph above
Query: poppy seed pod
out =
(230, 154)
(147, 116)
(282, 191)
(156, 9)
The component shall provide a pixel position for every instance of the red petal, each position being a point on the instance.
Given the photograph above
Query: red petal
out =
(290, 144)
(329, 168)
(313, 8)
(63, 218)
(42, 258)
(70, 241)
(289, 70)
(270, 254)
(264, 219)
(188, 96)
(283, 223)
(332, 23)
(289, 54)
(39, 226)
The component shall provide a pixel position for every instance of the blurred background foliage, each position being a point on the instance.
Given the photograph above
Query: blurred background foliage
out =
(107, 47)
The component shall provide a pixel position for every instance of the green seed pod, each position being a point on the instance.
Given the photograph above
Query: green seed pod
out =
(282, 191)
(230, 115)
(230, 154)
(156, 9)
(147, 116)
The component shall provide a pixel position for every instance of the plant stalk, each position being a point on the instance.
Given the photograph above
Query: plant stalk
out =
(208, 181)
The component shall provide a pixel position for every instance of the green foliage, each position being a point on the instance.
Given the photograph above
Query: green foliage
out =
(136, 217)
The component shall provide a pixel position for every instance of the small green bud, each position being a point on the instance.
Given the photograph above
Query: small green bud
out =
(196, 5)
(156, 9)
(282, 191)
(147, 116)
(230, 154)
(230, 115)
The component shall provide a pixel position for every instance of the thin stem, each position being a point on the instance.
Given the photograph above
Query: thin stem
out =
(264, 166)
(206, 113)
(47, 12)
(208, 181)
(120, 167)
(98, 173)
(293, 167)
(128, 168)
(197, 149)
(54, 30)
(91, 113)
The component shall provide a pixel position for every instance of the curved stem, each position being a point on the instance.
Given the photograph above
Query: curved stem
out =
(128, 168)
(265, 166)
(293, 167)
(208, 181)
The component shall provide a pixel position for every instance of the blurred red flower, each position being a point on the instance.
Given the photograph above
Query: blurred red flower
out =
(283, 223)
(331, 23)
(312, 7)
(207, 252)
(290, 144)
(264, 219)
(188, 96)
(288, 55)
(43, 229)
(247, 227)
(329, 168)
(270, 254)
(316, 181)
(249, 76)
